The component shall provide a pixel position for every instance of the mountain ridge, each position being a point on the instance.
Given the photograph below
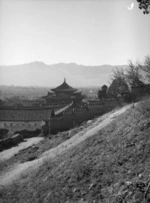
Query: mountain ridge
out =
(60, 63)
(38, 73)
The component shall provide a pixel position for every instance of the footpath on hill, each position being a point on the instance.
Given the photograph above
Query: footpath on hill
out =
(19, 170)
(6, 154)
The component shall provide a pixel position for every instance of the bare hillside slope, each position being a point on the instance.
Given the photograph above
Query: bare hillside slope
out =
(111, 166)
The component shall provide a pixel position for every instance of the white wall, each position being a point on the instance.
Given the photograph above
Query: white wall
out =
(13, 126)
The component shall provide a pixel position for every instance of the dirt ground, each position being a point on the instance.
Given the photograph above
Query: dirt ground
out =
(15, 170)
(7, 154)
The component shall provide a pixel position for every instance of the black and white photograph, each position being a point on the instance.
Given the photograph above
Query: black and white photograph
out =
(74, 101)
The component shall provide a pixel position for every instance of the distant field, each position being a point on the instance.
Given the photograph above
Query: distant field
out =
(22, 92)
(37, 92)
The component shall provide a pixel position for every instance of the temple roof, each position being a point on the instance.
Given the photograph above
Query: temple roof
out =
(64, 87)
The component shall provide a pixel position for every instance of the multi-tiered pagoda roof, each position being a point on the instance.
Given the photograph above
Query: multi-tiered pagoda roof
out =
(64, 87)
(63, 94)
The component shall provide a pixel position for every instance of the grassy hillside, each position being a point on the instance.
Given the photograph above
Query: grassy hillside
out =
(111, 167)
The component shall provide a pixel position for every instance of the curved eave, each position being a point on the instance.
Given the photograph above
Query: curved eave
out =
(78, 92)
(64, 90)
(64, 87)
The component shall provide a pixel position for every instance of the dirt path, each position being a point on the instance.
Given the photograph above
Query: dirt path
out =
(19, 170)
(7, 154)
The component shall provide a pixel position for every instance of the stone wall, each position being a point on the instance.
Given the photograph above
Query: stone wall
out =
(71, 118)
(140, 91)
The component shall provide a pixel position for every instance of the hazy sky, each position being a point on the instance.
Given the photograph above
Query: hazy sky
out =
(90, 32)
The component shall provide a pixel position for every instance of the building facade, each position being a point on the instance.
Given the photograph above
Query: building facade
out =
(18, 119)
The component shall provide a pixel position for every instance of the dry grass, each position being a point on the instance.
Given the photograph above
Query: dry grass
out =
(34, 151)
(112, 166)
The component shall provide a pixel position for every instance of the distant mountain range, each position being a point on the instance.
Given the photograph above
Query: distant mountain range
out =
(41, 74)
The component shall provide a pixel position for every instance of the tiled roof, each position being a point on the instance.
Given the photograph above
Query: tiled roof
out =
(12, 114)
(64, 87)
(63, 109)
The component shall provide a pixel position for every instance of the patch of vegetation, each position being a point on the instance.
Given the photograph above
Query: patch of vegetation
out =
(28, 133)
(111, 167)
(33, 152)
(3, 133)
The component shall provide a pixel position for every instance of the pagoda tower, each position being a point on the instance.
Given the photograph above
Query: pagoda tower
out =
(63, 94)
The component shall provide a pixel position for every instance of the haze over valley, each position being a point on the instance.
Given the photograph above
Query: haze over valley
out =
(41, 74)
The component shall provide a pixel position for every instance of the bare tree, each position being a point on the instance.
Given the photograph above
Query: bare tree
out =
(144, 5)
(119, 84)
(134, 75)
(146, 67)
(118, 73)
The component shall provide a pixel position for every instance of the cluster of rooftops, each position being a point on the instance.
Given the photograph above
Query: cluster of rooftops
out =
(36, 114)
(61, 94)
